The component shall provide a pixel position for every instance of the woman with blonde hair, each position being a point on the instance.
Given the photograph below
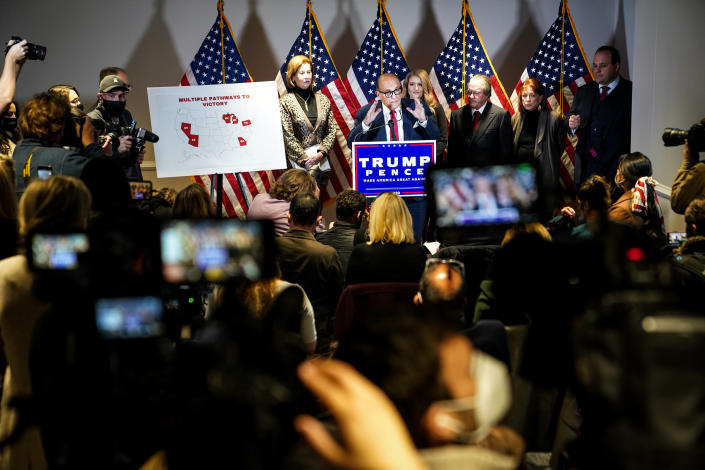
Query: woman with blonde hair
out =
(59, 203)
(308, 122)
(193, 202)
(417, 85)
(392, 253)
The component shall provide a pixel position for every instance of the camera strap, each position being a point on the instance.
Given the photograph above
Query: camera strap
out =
(26, 168)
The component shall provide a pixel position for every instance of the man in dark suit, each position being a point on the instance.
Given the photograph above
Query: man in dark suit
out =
(314, 266)
(390, 117)
(480, 132)
(602, 117)
(349, 209)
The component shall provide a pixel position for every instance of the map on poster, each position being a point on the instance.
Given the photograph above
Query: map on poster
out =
(216, 129)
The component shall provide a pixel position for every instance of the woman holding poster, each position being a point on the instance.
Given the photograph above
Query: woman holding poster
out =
(307, 121)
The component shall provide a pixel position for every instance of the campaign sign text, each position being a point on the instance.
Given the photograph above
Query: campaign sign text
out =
(396, 167)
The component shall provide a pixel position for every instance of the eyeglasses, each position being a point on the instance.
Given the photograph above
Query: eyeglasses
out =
(459, 266)
(388, 94)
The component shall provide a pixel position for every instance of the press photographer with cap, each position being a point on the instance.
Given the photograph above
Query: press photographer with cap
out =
(110, 117)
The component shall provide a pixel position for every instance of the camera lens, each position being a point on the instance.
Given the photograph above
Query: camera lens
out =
(674, 137)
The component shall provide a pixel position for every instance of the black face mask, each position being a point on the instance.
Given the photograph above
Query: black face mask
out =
(80, 107)
(114, 108)
(8, 124)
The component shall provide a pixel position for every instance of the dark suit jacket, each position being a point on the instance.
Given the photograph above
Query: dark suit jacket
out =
(377, 130)
(490, 143)
(605, 127)
(550, 139)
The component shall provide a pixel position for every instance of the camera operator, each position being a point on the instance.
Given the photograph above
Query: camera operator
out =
(689, 182)
(110, 117)
(15, 57)
(47, 124)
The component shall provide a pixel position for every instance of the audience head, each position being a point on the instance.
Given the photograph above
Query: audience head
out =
(695, 218)
(57, 203)
(70, 93)
(530, 230)
(8, 127)
(293, 182)
(107, 182)
(417, 84)
(531, 95)
(442, 287)
(120, 72)
(390, 220)
(304, 211)
(8, 196)
(479, 91)
(631, 167)
(44, 117)
(193, 202)
(299, 73)
(594, 196)
(349, 206)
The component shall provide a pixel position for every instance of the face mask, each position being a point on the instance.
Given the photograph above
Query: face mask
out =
(493, 397)
(8, 124)
(114, 108)
(80, 106)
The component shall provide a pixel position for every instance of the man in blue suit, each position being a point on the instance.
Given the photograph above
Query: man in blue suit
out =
(393, 118)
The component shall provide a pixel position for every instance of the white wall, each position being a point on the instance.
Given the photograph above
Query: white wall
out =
(155, 41)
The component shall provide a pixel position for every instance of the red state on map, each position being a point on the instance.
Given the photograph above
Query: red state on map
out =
(186, 129)
(246, 123)
(193, 140)
(242, 141)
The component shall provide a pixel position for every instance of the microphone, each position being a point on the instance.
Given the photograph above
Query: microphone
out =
(392, 134)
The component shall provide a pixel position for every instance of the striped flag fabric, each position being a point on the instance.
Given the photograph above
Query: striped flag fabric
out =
(217, 61)
(311, 43)
(380, 52)
(546, 66)
(463, 57)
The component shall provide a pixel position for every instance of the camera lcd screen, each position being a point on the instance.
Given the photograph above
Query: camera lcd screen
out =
(129, 317)
(477, 196)
(44, 171)
(676, 238)
(57, 251)
(215, 250)
(141, 190)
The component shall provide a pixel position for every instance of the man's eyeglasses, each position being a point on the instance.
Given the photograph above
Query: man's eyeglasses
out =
(450, 262)
(389, 94)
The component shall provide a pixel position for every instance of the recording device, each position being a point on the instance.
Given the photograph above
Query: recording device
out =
(56, 251)
(44, 171)
(141, 190)
(217, 250)
(673, 137)
(129, 317)
(34, 51)
(676, 238)
(140, 136)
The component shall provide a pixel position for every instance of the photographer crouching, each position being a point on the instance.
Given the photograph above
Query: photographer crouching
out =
(113, 121)
(689, 182)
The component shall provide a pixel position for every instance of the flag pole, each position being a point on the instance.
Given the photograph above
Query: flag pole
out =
(219, 176)
(381, 37)
(560, 97)
(310, 27)
(464, 30)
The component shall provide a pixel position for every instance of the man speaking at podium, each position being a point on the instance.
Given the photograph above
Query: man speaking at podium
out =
(393, 118)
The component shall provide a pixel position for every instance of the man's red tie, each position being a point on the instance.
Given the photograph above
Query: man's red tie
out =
(396, 126)
(603, 92)
(475, 120)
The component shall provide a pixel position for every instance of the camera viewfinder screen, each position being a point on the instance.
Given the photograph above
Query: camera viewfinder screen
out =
(493, 195)
(130, 317)
(213, 251)
(58, 251)
(141, 189)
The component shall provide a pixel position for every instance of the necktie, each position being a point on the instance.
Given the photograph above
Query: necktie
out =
(603, 92)
(475, 120)
(393, 126)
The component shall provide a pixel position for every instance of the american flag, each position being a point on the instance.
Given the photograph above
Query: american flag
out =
(379, 53)
(447, 73)
(207, 68)
(545, 66)
(311, 43)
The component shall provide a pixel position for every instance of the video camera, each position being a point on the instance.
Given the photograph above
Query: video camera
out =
(34, 51)
(696, 136)
(140, 136)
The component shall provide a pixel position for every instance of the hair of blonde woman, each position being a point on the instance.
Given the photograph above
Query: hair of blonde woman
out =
(293, 66)
(390, 220)
(522, 228)
(193, 202)
(8, 196)
(428, 96)
(58, 203)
